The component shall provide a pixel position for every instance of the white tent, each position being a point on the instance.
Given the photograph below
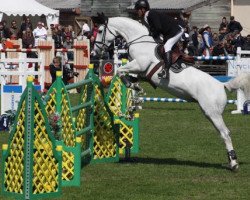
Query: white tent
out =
(28, 7)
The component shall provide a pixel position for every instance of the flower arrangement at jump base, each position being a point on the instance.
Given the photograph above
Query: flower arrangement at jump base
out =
(55, 124)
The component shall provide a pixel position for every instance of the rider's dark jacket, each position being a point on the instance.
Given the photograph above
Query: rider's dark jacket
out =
(161, 23)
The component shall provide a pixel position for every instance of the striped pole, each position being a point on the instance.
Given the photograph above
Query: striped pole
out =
(214, 57)
(175, 100)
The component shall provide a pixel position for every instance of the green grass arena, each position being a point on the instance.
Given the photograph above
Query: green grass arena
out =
(181, 157)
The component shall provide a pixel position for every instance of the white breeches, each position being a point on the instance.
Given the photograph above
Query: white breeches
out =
(172, 41)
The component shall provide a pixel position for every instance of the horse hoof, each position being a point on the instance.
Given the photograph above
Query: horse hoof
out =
(234, 168)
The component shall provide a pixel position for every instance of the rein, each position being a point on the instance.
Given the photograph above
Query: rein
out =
(128, 43)
(133, 41)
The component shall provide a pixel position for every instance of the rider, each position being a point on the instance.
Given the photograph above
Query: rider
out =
(161, 24)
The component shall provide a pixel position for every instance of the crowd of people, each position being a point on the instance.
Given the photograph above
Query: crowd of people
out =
(63, 35)
(224, 42)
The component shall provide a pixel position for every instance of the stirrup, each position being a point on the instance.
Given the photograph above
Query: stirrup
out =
(163, 74)
(137, 88)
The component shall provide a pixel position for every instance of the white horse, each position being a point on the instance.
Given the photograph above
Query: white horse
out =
(190, 84)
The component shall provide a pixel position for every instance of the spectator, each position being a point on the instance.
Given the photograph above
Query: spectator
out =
(222, 33)
(14, 33)
(246, 45)
(28, 41)
(50, 31)
(68, 44)
(234, 25)
(207, 40)
(229, 48)
(85, 29)
(4, 32)
(67, 33)
(200, 41)
(60, 29)
(73, 36)
(56, 65)
(6, 29)
(194, 38)
(26, 24)
(57, 37)
(215, 39)
(2, 44)
(39, 33)
(219, 50)
(237, 41)
(223, 24)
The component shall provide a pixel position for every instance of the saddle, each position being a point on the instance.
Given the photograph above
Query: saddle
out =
(176, 54)
(180, 61)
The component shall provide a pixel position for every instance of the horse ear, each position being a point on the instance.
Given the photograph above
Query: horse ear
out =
(94, 19)
(104, 18)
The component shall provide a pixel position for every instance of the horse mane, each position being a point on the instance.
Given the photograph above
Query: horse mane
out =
(134, 23)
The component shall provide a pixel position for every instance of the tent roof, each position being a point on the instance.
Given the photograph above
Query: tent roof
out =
(26, 7)
(61, 4)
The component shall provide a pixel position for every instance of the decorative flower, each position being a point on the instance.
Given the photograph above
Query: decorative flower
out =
(55, 124)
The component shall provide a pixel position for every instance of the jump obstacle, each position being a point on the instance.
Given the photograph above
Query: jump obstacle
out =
(36, 165)
(13, 76)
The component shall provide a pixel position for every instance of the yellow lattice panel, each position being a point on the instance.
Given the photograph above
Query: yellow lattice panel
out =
(14, 164)
(126, 135)
(104, 139)
(68, 166)
(51, 103)
(115, 101)
(46, 168)
(68, 133)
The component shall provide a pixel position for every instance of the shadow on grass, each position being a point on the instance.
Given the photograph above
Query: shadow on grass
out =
(174, 161)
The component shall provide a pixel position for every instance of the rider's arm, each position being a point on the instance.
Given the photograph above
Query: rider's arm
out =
(155, 24)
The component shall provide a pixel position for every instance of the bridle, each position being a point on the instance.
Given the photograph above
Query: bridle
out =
(102, 45)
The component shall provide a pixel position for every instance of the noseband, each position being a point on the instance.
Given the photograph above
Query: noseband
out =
(101, 44)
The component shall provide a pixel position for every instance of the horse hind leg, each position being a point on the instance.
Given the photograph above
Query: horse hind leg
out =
(219, 124)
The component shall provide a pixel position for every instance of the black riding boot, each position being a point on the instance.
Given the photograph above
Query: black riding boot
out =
(168, 62)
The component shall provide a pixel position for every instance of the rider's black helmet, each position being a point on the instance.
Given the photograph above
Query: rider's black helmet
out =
(142, 4)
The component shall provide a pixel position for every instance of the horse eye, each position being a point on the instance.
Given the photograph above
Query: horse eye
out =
(100, 31)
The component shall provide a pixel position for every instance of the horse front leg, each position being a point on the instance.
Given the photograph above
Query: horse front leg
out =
(131, 67)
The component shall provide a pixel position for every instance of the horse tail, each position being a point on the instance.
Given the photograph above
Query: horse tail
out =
(242, 82)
